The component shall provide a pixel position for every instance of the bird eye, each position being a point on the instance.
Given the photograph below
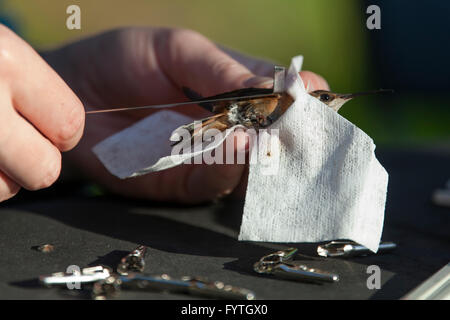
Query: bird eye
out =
(324, 97)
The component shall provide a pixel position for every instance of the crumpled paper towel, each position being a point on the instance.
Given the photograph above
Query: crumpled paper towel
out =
(327, 184)
(145, 147)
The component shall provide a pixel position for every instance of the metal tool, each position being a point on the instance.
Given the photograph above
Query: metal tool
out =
(112, 285)
(133, 262)
(279, 75)
(280, 264)
(271, 260)
(87, 275)
(107, 284)
(437, 287)
(350, 249)
(176, 104)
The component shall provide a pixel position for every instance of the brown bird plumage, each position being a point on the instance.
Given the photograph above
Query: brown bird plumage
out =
(251, 113)
(255, 113)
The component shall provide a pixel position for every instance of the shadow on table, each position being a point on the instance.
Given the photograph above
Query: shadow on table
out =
(411, 221)
(115, 218)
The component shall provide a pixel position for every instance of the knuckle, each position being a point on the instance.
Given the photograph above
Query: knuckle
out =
(186, 34)
(222, 67)
(230, 71)
(6, 48)
(175, 38)
(123, 34)
(126, 37)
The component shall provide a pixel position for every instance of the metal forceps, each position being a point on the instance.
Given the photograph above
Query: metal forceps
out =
(106, 283)
(112, 285)
(351, 249)
(133, 262)
(86, 275)
(280, 265)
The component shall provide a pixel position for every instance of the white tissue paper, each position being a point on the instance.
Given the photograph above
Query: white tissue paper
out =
(145, 146)
(326, 183)
(329, 185)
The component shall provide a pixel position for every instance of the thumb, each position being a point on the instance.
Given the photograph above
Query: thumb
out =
(190, 59)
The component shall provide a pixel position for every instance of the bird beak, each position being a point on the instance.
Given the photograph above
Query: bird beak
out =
(365, 93)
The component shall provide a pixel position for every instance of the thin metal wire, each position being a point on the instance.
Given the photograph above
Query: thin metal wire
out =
(169, 105)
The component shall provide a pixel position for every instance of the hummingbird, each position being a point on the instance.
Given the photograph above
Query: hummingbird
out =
(238, 109)
(254, 113)
(249, 107)
(336, 100)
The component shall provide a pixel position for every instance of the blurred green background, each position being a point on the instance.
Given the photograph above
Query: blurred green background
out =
(332, 36)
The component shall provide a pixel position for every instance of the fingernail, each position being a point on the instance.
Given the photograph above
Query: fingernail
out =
(259, 82)
(224, 193)
(315, 81)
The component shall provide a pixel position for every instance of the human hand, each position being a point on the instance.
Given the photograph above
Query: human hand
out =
(40, 116)
(142, 66)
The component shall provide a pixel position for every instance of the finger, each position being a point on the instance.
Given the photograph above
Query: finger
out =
(313, 81)
(189, 59)
(26, 156)
(8, 188)
(39, 94)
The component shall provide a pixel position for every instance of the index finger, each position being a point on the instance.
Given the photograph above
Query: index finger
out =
(39, 94)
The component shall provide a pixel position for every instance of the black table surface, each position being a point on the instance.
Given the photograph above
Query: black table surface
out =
(202, 240)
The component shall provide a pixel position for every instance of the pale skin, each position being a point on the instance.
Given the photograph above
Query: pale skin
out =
(43, 100)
